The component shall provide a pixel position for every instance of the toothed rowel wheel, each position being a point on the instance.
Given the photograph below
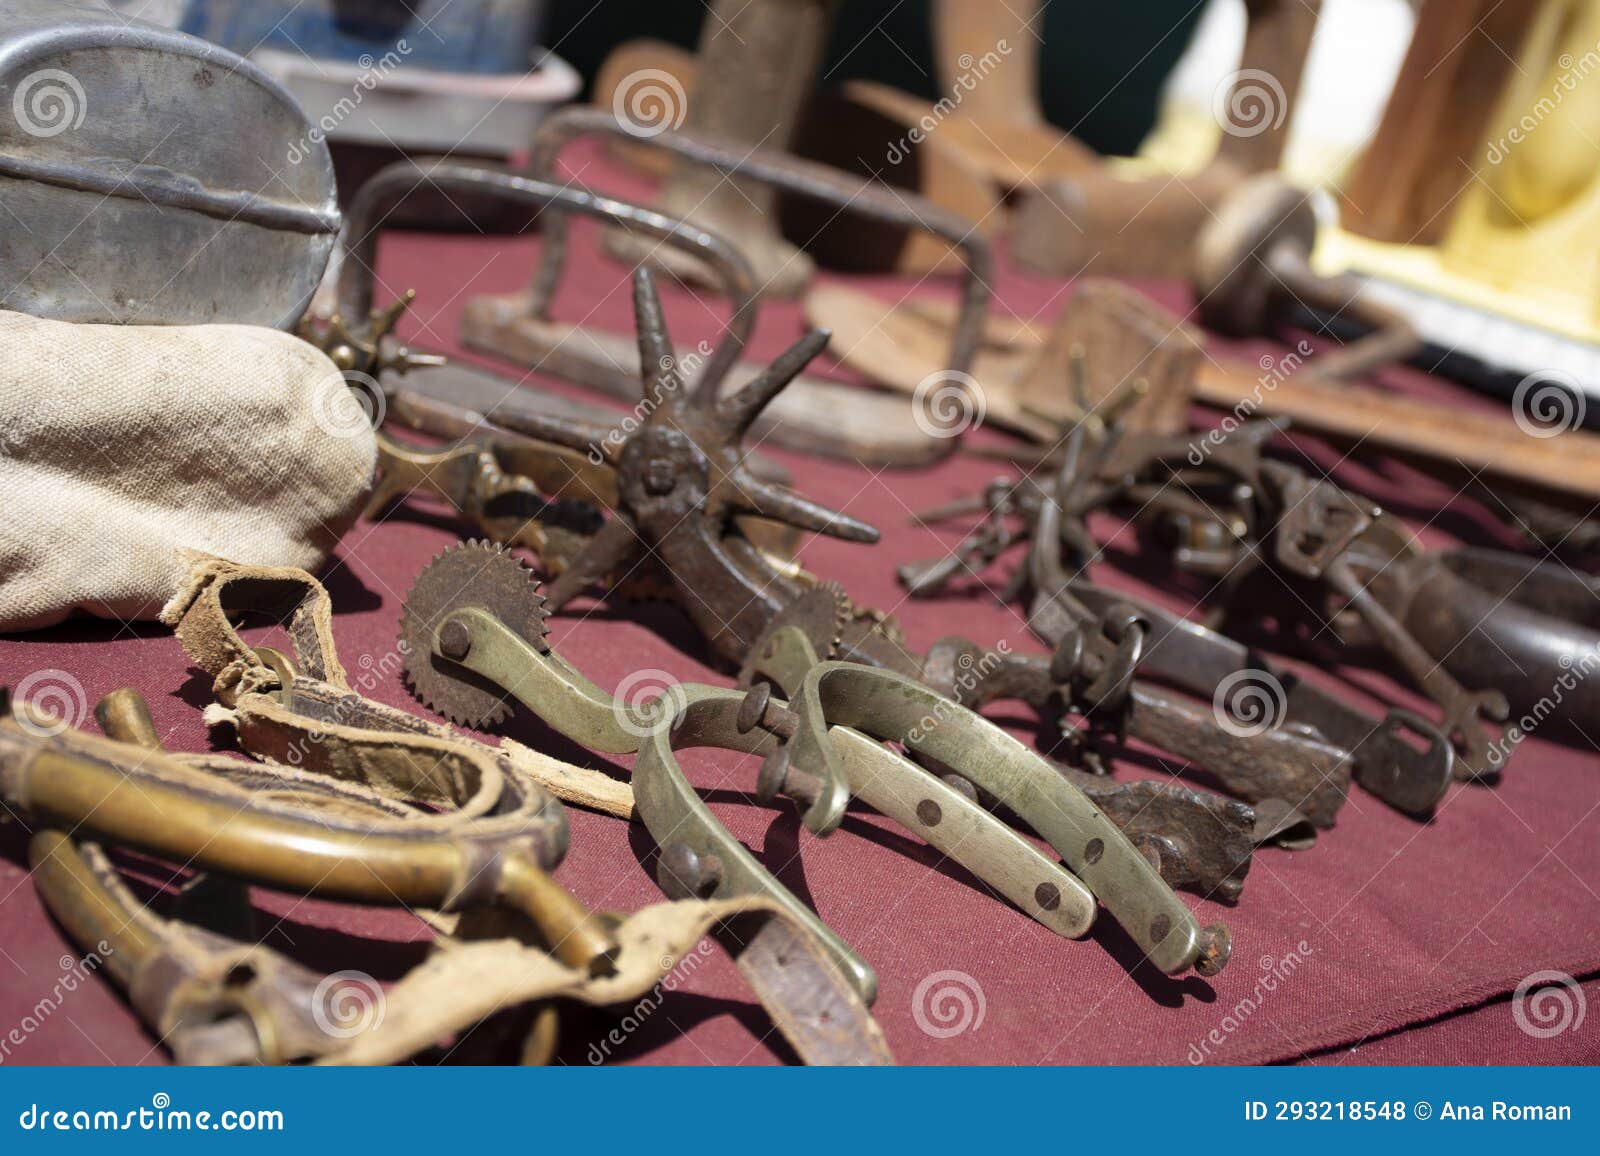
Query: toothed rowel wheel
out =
(479, 574)
(820, 614)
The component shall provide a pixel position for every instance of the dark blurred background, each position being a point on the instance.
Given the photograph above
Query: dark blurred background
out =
(1101, 66)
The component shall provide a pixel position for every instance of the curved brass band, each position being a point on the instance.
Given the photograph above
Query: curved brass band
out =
(850, 764)
(891, 706)
(683, 825)
(140, 798)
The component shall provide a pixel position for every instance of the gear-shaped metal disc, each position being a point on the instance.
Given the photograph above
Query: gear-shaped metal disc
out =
(821, 614)
(479, 574)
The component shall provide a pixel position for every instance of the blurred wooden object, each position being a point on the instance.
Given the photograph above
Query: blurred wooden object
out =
(1477, 211)
(1531, 222)
(616, 81)
(897, 346)
(1104, 222)
(756, 65)
(986, 62)
(1252, 274)
(1433, 132)
(1117, 333)
(1259, 113)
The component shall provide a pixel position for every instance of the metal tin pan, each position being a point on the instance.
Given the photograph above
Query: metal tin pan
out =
(148, 177)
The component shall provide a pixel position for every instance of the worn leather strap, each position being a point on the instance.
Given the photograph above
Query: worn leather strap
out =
(215, 588)
(811, 1005)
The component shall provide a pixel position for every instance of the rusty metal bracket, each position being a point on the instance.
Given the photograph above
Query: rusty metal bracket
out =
(1200, 660)
(881, 429)
(389, 188)
(682, 486)
(791, 174)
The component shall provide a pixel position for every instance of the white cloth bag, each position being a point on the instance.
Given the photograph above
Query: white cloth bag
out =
(121, 445)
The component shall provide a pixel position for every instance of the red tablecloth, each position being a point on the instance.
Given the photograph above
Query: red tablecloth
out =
(1390, 940)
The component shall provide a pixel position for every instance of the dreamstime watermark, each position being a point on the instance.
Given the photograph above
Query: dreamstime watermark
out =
(75, 970)
(947, 403)
(1249, 702)
(1572, 71)
(973, 70)
(57, 702)
(644, 698)
(347, 404)
(649, 102)
(373, 73)
(160, 1116)
(1574, 670)
(1274, 372)
(970, 672)
(1249, 102)
(347, 1004)
(1548, 1003)
(371, 673)
(1547, 403)
(49, 102)
(1275, 971)
(672, 373)
(650, 1002)
(947, 1004)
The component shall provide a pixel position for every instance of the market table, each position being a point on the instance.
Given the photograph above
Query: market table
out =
(1389, 941)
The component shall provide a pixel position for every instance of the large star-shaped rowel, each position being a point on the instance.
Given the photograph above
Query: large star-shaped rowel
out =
(682, 479)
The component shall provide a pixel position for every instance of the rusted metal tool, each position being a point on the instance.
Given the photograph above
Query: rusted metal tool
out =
(1318, 535)
(1528, 628)
(474, 634)
(879, 430)
(1225, 510)
(1111, 633)
(1098, 652)
(515, 489)
(681, 479)
(682, 485)
(798, 177)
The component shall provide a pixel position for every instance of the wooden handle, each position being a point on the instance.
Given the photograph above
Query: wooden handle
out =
(1567, 462)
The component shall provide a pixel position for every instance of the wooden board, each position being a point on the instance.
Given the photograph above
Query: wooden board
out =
(897, 346)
